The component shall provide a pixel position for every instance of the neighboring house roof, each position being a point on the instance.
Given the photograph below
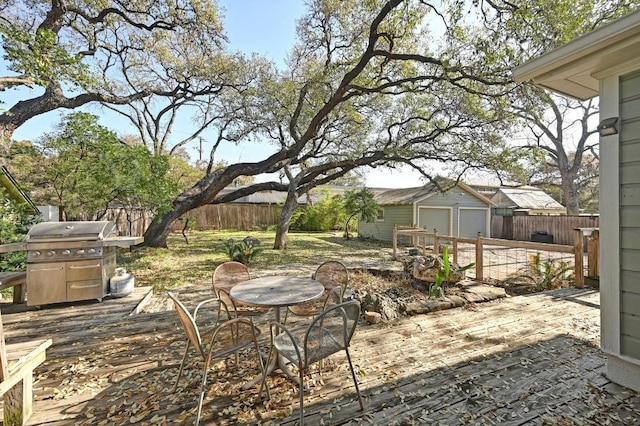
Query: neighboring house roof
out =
(383, 196)
(525, 198)
(14, 191)
(279, 197)
(576, 68)
(404, 196)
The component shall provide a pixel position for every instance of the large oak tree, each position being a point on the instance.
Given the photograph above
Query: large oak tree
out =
(376, 83)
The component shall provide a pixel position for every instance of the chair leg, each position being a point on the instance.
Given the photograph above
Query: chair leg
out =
(355, 380)
(184, 358)
(263, 371)
(203, 389)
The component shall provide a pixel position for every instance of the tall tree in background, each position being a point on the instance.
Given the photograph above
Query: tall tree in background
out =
(74, 53)
(560, 132)
(564, 140)
(86, 169)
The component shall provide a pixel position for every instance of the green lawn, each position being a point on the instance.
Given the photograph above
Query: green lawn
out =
(184, 263)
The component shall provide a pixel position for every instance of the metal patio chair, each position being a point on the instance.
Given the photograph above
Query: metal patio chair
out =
(226, 337)
(227, 275)
(329, 332)
(334, 276)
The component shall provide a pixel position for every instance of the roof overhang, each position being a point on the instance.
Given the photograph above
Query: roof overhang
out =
(576, 68)
(15, 192)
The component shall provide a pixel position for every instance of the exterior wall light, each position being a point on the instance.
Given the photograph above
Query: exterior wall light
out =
(608, 126)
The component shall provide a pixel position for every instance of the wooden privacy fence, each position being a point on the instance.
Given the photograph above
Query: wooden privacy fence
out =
(131, 222)
(238, 216)
(420, 238)
(521, 228)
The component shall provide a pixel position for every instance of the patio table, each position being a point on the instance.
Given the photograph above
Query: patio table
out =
(276, 292)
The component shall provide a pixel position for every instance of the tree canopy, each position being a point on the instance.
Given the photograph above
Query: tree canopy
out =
(84, 168)
(367, 84)
(76, 52)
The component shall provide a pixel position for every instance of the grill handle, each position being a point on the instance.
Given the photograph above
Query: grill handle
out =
(57, 268)
(94, 266)
(79, 286)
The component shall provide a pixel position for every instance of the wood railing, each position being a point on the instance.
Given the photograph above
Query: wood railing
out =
(420, 239)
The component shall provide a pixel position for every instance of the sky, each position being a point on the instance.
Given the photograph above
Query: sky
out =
(264, 27)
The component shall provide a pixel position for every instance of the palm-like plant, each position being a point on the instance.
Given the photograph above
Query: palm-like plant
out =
(444, 274)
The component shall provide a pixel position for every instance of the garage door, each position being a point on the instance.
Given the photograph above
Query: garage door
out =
(431, 218)
(473, 221)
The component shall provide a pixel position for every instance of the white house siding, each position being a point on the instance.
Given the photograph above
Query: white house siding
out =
(629, 175)
(383, 230)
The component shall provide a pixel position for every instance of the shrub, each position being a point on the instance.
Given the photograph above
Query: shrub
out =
(14, 225)
(326, 214)
(242, 251)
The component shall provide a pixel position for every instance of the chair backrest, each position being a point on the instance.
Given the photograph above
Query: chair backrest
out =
(333, 274)
(189, 324)
(331, 331)
(226, 275)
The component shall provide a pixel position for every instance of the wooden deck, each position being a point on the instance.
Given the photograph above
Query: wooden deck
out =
(522, 360)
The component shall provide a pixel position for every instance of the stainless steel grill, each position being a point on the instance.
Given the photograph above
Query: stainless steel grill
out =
(70, 261)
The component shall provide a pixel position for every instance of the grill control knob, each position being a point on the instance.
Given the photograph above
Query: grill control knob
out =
(91, 251)
(66, 252)
(51, 253)
(80, 252)
(35, 253)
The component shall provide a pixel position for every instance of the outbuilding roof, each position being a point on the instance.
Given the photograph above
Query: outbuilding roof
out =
(532, 199)
(404, 196)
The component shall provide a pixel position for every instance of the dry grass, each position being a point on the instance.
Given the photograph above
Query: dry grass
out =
(193, 263)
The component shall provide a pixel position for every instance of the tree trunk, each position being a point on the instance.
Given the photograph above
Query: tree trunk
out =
(290, 206)
(206, 191)
(157, 233)
(200, 194)
(346, 225)
(571, 195)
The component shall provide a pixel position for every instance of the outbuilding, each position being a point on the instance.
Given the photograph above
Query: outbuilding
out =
(451, 208)
(527, 201)
(606, 62)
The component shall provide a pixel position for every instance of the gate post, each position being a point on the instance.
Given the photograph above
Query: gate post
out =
(436, 248)
(395, 241)
(479, 263)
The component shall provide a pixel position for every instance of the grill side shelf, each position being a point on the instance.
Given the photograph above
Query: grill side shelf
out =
(122, 241)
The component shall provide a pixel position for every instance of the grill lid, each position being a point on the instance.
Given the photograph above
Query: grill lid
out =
(61, 231)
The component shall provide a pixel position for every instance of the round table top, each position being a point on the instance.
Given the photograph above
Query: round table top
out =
(277, 291)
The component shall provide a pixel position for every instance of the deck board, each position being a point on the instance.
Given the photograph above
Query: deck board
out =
(521, 360)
